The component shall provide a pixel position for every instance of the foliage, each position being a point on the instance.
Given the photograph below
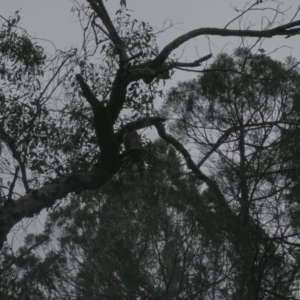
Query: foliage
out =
(226, 230)
(235, 114)
(150, 237)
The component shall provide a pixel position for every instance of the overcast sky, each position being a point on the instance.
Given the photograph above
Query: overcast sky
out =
(53, 20)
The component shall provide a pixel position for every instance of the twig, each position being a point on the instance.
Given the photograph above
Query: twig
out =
(23, 254)
(12, 185)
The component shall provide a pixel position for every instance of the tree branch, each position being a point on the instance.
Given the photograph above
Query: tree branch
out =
(278, 296)
(103, 123)
(230, 130)
(100, 10)
(118, 94)
(189, 161)
(12, 185)
(195, 63)
(88, 94)
(230, 218)
(136, 125)
(218, 143)
(286, 30)
(34, 202)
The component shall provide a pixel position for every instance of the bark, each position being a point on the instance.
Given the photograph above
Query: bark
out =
(287, 30)
(36, 200)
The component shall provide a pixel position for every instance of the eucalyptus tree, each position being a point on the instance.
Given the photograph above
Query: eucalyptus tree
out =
(156, 231)
(238, 114)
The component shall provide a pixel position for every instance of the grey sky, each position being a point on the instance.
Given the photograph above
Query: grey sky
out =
(54, 21)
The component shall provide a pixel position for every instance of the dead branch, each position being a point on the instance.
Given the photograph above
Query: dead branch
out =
(283, 30)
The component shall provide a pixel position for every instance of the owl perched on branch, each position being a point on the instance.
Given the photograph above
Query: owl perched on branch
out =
(134, 148)
(133, 145)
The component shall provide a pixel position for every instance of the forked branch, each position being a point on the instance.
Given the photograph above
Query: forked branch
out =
(287, 30)
(100, 10)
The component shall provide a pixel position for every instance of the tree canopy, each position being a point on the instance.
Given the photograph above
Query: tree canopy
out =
(139, 221)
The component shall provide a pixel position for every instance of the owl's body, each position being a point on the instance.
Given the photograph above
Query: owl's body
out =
(133, 145)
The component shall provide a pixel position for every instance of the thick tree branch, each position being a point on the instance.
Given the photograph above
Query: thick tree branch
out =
(287, 30)
(88, 94)
(118, 94)
(99, 27)
(136, 125)
(134, 56)
(100, 10)
(148, 71)
(34, 202)
(103, 122)
(119, 87)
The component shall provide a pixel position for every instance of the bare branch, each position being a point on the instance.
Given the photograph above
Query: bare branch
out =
(296, 13)
(179, 147)
(240, 15)
(219, 142)
(195, 63)
(12, 185)
(72, 53)
(285, 30)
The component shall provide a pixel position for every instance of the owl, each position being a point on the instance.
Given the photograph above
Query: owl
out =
(133, 145)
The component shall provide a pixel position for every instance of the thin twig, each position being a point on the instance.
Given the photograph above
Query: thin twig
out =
(12, 185)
